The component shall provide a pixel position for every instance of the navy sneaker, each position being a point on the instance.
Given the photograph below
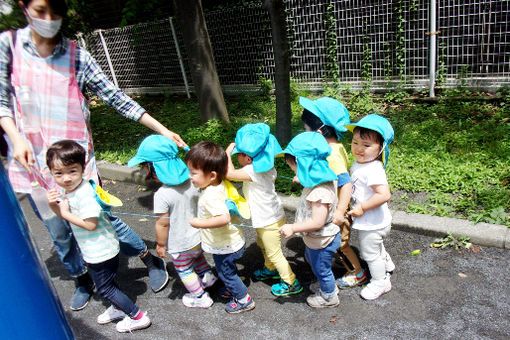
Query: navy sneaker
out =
(158, 276)
(234, 306)
(81, 297)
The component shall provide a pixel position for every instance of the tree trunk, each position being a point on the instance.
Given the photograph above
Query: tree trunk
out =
(282, 69)
(201, 60)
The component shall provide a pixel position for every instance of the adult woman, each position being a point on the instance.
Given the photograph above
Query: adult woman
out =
(42, 79)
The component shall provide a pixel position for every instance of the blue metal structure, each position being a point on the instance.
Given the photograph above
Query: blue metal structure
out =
(30, 308)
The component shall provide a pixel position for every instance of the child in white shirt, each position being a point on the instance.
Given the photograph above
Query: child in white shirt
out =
(372, 217)
(256, 149)
(93, 231)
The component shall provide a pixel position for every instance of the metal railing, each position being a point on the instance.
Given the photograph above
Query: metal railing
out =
(376, 44)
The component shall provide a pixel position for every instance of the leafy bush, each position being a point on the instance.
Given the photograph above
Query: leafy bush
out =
(456, 153)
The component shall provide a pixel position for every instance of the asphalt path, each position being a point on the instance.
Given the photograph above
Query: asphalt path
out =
(437, 294)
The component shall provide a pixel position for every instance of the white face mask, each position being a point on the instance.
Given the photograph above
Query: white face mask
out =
(45, 28)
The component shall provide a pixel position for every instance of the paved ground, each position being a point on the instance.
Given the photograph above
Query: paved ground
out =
(437, 294)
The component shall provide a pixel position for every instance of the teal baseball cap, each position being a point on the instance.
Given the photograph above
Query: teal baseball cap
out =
(162, 153)
(382, 126)
(256, 141)
(330, 111)
(311, 150)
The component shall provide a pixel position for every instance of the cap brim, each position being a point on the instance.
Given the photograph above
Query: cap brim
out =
(135, 161)
(234, 151)
(308, 104)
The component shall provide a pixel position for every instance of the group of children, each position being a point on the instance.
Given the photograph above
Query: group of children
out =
(194, 214)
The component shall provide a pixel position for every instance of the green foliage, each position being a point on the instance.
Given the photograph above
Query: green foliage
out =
(76, 20)
(462, 242)
(265, 86)
(332, 68)
(454, 153)
(136, 11)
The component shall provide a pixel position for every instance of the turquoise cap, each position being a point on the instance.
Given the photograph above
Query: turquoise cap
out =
(330, 111)
(256, 141)
(311, 150)
(380, 125)
(162, 153)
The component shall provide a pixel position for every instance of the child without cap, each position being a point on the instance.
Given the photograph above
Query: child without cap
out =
(372, 217)
(306, 156)
(208, 166)
(175, 202)
(328, 116)
(93, 231)
(256, 149)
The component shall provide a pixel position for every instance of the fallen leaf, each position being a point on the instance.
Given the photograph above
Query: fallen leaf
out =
(462, 275)
(333, 319)
(143, 220)
(415, 252)
(475, 249)
(114, 182)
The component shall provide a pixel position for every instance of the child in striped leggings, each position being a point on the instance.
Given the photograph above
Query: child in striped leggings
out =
(175, 203)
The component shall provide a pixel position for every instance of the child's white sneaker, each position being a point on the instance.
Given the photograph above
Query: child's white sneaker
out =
(375, 289)
(319, 301)
(208, 279)
(193, 301)
(128, 325)
(390, 266)
(109, 315)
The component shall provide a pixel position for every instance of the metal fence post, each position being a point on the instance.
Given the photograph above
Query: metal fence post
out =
(181, 64)
(432, 47)
(105, 48)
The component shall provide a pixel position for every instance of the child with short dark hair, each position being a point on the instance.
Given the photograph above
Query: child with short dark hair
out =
(208, 166)
(306, 155)
(93, 231)
(175, 202)
(372, 217)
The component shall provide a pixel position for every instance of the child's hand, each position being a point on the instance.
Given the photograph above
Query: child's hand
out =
(230, 148)
(286, 230)
(296, 180)
(53, 197)
(339, 218)
(161, 251)
(54, 200)
(194, 222)
(357, 211)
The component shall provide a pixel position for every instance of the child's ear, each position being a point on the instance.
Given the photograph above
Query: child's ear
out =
(213, 176)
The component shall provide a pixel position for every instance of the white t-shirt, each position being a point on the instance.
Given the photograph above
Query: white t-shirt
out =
(180, 202)
(97, 245)
(363, 176)
(265, 205)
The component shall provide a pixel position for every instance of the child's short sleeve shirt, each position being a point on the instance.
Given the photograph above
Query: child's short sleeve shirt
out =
(363, 177)
(180, 202)
(265, 205)
(322, 193)
(223, 240)
(97, 245)
(338, 161)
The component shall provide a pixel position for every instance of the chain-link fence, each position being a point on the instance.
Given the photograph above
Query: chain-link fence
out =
(373, 44)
